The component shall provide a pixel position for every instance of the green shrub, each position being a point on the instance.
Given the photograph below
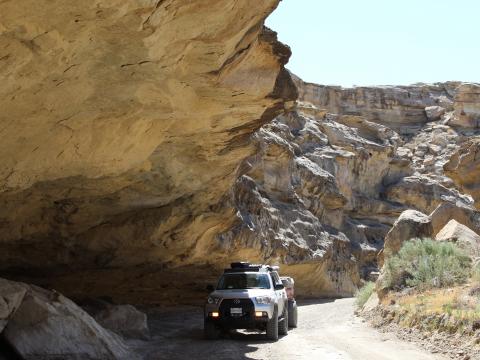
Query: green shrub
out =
(364, 293)
(425, 263)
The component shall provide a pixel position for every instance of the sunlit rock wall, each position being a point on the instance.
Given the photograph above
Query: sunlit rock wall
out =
(123, 126)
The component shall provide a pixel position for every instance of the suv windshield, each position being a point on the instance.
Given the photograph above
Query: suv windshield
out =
(243, 281)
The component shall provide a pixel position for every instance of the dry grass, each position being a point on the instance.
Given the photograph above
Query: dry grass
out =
(456, 302)
(434, 288)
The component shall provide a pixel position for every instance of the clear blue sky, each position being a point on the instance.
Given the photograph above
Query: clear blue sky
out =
(381, 42)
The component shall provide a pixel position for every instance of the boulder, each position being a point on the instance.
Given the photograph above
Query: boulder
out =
(11, 296)
(458, 211)
(423, 193)
(434, 113)
(429, 160)
(372, 302)
(381, 289)
(47, 325)
(445, 102)
(125, 320)
(411, 224)
(460, 234)
(467, 106)
(464, 167)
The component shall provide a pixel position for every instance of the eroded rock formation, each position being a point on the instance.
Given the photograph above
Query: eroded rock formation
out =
(123, 127)
(125, 320)
(467, 106)
(464, 167)
(330, 179)
(132, 156)
(401, 108)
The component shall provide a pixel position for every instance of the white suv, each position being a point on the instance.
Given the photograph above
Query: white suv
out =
(247, 297)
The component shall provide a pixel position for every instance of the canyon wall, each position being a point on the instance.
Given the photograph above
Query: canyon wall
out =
(139, 155)
(400, 107)
(124, 124)
(331, 177)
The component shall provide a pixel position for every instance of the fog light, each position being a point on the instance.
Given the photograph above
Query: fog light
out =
(215, 314)
(258, 313)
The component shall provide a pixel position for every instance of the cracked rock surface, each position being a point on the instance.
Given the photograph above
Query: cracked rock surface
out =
(144, 141)
(123, 125)
(330, 179)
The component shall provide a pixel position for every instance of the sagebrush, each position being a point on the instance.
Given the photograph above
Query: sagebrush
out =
(364, 293)
(425, 263)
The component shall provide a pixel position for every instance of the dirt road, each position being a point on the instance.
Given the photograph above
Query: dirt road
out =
(328, 330)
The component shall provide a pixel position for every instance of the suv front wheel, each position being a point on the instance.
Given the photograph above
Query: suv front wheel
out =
(292, 314)
(272, 327)
(283, 326)
(211, 331)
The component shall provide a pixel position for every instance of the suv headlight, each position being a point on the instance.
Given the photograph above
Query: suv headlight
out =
(265, 300)
(213, 300)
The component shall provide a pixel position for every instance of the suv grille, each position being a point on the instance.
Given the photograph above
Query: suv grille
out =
(246, 305)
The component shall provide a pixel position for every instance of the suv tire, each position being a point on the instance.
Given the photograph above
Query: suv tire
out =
(272, 327)
(283, 326)
(211, 331)
(292, 314)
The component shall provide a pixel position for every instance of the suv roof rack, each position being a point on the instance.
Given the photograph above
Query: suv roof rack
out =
(242, 266)
(256, 269)
(239, 264)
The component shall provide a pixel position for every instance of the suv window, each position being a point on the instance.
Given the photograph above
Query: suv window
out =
(243, 281)
(275, 278)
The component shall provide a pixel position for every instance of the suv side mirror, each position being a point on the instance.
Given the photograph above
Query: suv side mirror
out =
(210, 288)
(279, 287)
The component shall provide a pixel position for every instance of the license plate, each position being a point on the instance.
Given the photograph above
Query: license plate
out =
(236, 311)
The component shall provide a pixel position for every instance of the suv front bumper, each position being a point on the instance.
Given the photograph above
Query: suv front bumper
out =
(252, 316)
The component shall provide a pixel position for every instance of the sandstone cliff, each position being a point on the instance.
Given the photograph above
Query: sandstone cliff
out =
(139, 148)
(331, 177)
(123, 127)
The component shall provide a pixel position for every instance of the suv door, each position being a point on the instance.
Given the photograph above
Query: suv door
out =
(279, 294)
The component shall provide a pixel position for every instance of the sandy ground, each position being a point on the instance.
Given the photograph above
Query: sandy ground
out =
(328, 330)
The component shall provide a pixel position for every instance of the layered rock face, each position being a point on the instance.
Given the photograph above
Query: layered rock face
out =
(123, 127)
(308, 197)
(464, 167)
(467, 106)
(402, 108)
(348, 169)
(129, 168)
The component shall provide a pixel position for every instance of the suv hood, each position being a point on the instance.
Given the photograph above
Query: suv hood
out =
(241, 294)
